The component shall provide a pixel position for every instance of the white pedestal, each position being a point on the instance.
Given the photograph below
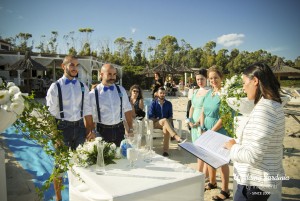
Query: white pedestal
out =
(3, 191)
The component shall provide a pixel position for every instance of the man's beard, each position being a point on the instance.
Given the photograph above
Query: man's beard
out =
(69, 73)
(161, 98)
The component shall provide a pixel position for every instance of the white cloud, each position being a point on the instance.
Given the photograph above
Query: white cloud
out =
(231, 39)
(133, 30)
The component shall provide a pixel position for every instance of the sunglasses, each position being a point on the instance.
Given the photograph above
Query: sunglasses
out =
(136, 91)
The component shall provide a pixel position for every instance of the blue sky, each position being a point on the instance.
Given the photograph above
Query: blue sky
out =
(272, 25)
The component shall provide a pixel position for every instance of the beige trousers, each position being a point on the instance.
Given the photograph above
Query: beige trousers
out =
(167, 128)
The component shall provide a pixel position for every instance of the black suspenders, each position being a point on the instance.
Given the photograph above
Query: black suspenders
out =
(121, 104)
(97, 103)
(61, 109)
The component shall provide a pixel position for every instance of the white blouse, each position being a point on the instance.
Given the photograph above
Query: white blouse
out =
(258, 156)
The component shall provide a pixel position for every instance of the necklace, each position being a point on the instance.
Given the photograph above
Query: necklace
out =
(215, 92)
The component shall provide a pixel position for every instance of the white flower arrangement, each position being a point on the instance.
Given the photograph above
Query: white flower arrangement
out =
(233, 88)
(86, 154)
(11, 98)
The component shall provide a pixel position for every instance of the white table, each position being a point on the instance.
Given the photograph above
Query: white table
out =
(160, 180)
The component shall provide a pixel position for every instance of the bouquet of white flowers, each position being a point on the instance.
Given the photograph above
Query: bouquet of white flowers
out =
(233, 88)
(86, 154)
(12, 104)
(11, 98)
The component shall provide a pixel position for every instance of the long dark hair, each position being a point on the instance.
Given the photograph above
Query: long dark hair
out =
(268, 86)
(203, 72)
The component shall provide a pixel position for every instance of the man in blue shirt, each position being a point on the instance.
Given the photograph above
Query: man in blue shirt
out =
(161, 113)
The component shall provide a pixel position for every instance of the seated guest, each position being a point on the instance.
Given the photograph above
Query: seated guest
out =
(137, 102)
(161, 113)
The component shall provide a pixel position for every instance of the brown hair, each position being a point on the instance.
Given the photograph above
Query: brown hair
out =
(135, 86)
(215, 69)
(68, 58)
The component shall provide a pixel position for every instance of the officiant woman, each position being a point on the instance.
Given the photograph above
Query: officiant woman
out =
(258, 155)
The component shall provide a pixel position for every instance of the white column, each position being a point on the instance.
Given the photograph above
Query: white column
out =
(19, 77)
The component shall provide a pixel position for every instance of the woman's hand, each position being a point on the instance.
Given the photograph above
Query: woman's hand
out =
(229, 144)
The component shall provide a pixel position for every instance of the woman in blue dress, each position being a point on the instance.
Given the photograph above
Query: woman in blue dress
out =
(210, 120)
(196, 109)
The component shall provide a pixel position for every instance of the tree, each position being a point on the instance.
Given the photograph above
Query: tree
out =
(151, 40)
(167, 48)
(195, 57)
(86, 45)
(23, 39)
(124, 50)
(222, 59)
(208, 57)
(138, 53)
(297, 62)
(233, 54)
(42, 46)
(70, 42)
(53, 42)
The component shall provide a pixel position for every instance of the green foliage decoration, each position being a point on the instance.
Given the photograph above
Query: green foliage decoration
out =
(37, 124)
(233, 87)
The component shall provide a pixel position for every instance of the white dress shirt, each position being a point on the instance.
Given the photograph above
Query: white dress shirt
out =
(109, 103)
(258, 156)
(71, 98)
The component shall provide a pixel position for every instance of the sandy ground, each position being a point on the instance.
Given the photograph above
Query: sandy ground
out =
(21, 188)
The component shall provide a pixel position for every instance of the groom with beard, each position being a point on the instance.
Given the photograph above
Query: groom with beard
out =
(161, 113)
(68, 101)
(111, 106)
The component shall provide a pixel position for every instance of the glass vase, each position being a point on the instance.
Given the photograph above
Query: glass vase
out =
(100, 165)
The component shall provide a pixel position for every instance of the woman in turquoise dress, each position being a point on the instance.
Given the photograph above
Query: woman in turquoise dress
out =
(210, 120)
(195, 112)
(197, 103)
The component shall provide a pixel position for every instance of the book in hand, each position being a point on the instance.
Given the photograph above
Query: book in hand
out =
(209, 147)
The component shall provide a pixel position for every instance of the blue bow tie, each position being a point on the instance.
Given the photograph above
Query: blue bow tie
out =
(69, 81)
(108, 88)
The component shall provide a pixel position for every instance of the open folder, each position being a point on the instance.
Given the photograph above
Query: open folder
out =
(209, 147)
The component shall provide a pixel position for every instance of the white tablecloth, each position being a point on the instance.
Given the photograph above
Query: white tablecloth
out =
(162, 179)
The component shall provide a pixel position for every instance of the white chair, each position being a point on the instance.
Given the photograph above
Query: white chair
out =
(158, 133)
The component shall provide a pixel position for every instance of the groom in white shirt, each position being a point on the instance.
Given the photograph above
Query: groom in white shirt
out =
(110, 106)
